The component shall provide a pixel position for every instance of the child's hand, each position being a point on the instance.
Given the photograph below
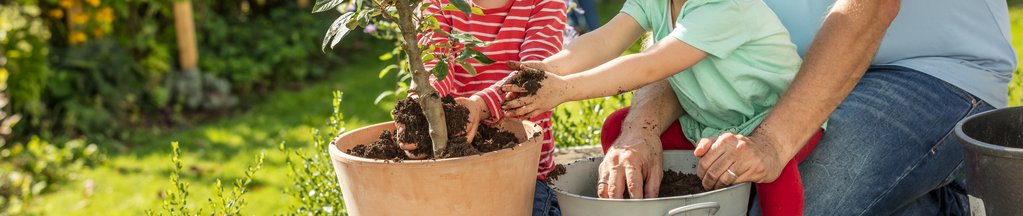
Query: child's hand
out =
(477, 111)
(552, 90)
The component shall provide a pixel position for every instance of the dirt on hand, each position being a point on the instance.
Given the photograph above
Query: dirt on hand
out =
(530, 79)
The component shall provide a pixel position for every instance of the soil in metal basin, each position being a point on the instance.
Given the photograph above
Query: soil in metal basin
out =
(672, 184)
(416, 130)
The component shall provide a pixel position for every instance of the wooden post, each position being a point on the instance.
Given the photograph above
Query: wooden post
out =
(184, 24)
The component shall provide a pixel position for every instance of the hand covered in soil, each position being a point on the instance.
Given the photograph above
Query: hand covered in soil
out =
(751, 159)
(407, 147)
(477, 111)
(633, 164)
(535, 95)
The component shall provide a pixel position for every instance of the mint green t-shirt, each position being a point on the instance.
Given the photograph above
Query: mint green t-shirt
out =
(750, 61)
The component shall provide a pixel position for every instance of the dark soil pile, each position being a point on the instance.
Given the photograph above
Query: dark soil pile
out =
(557, 172)
(529, 79)
(417, 130)
(384, 148)
(680, 184)
(672, 184)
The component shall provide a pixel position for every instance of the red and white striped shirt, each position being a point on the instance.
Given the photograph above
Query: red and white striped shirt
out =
(521, 30)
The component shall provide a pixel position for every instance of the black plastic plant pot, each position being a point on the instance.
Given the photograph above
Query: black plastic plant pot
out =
(993, 142)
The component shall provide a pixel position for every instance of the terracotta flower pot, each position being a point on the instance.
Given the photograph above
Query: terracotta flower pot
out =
(495, 183)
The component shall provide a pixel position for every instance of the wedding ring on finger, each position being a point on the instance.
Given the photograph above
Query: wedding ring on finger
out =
(731, 173)
(601, 182)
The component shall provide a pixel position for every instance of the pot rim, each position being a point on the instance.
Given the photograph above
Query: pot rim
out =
(336, 152)
(984, 147)
(707, 193)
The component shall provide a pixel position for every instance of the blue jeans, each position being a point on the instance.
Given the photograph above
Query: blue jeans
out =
(545, 201)
(889, 149)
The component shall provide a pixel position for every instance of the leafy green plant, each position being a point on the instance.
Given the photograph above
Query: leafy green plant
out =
(38, 167)
(579, 123)
(223, 203)
(315, 188)
(408, 20)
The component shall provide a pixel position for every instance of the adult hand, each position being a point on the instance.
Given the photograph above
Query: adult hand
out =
(634, 165)
(732, 158)
(551, 93)
(477, 111)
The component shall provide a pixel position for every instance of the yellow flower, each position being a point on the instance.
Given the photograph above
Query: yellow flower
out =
(56, 13)
(67, 4)
(77, 37)
(79, 19)
(94, 3)
(105, 15)
(98, 33)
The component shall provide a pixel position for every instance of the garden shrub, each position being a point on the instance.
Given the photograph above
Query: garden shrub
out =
(38, 167)
(315, 189)
(113, 66)
(223, 203)
(579, 123)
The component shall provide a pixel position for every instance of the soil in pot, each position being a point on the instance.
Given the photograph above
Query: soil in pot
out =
(408, 112)
(529, 79)
(672, 184)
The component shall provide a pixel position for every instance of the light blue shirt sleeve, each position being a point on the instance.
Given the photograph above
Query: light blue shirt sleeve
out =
(716, 27)
(638, 10)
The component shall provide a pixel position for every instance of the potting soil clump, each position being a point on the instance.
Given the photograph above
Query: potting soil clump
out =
(672, 184)
(680, 184)
(417, 130)
(529, 79)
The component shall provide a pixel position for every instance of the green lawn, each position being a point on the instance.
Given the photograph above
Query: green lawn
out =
(132, 181)
(133, 178)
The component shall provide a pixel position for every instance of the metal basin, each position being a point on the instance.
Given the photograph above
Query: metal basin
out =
(993, 141)
(577, 193)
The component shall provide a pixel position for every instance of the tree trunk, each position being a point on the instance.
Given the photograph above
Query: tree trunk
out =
(184, 24)
(428, 97)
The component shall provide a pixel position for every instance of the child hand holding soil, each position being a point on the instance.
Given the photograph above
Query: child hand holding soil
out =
(727, 61)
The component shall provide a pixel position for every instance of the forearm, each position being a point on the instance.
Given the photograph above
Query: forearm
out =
(594, 48)
(620, 75)
(630, 72)
(836, 60)
(654, 107)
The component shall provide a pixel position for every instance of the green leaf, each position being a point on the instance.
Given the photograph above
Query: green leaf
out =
(383, 72)
(479, 56)
(440, 70)
(386, 56)
(449, 7)
(477, 11)
(467, 66)
(324, 5)
(337, 31)
(462, 6)
(382, 96)
(427, 57)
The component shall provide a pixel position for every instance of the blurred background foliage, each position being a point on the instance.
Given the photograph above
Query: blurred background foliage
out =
(94, 67)
(91, 94)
